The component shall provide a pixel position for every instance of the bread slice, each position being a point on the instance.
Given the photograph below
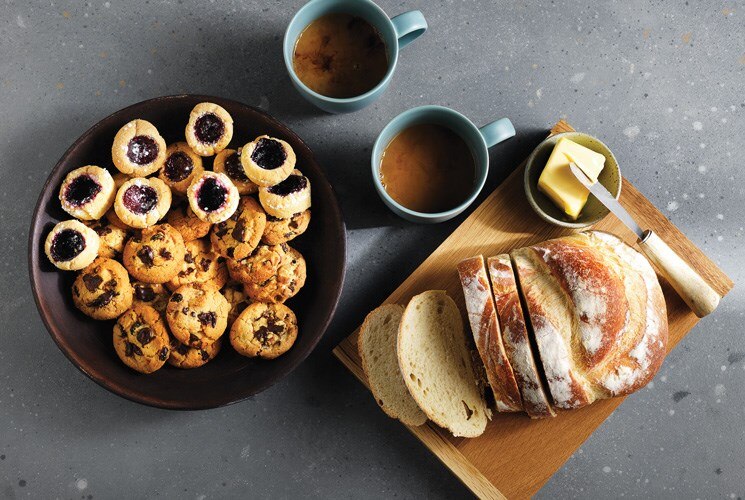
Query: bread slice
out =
(482, 316)
(377, 347)
(436, 364)
(516, 339)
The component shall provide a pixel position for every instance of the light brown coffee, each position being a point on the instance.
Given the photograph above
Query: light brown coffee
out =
(428, 168)
(340, 55)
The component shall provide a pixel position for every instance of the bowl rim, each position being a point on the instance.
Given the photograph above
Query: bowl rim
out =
(529, 165)
(127, 392)
(414, 215)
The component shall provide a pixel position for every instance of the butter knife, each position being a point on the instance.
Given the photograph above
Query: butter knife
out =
(700, 297)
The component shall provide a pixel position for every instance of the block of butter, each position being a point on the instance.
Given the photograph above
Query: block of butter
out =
(557, 181)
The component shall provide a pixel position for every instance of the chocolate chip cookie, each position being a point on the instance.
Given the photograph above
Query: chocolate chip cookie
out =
(181, 167)
(138, 149)
(228, 162)
(264, 330)
(200, 265)
(237, 237)
(141, 339)
(154, 295)
(183, 356)
(284, 284)
(186, 222)
(71, 245)
(237, 299)
(210, 129)
(87, 192)
(111, 238)
(156, 255)
(283, 230)
(197, 314)
(102, 290)
(261, 265)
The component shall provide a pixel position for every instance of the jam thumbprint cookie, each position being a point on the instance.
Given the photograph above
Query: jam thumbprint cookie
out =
(186, 222)
(209, 130)
(142, 202)
(213, 197)
(156, 255)
(181, 167)
(237, 237)
(228, 162)
(141, 339)
(200, 265)
(154, 295)
(264, 330)
(287, 198)
(197, 314)
(71, 245)
(138, 149)
(87, 192)
(267, 161)
(183, 356)
(111, 238)
(283, 230)
(102, 290)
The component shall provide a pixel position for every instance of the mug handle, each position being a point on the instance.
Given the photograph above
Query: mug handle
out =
(408, 27)
(497, 131)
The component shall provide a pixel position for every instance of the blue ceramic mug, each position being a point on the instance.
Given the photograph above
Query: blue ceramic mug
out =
(397, 32)
(479, 140)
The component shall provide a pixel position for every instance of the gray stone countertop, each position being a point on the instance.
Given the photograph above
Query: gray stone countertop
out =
(663, 83)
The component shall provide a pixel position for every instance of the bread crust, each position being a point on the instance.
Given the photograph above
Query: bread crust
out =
(515, 338)
(482, 316)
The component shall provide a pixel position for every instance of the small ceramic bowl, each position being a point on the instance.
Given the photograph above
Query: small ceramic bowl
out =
(594, 211)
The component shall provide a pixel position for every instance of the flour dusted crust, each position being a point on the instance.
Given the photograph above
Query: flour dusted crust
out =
(102, 290)
(180, 167)
(228, 162)
(487, 336)
(264, 330)
(598, 315)
(82, 255)
(154, 211)
(126, 147)
(515, 338)
(267, 172)
(94, 203)
(287, 198)
(224, 211)
(215, 112)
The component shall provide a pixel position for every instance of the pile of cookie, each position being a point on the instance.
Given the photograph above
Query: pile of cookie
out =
(180, 254)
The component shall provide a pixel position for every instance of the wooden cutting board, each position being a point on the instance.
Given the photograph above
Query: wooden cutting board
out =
(516, 455)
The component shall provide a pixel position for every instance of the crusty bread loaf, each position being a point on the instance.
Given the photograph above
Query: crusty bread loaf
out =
(482, 316)
(598, 315)
(377, 344)
(436, 365)
(516, 339)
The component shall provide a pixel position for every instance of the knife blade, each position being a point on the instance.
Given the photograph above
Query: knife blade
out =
(692, 288)
(607, 199)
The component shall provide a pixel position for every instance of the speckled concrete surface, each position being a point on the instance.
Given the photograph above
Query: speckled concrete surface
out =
(661, 82)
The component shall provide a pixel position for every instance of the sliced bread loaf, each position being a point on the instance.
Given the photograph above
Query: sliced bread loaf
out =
(436, 364)
(377, 347)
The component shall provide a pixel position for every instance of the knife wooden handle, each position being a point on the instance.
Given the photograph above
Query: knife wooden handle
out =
(691, 287)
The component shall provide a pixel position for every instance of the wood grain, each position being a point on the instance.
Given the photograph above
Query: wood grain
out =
(516, 455)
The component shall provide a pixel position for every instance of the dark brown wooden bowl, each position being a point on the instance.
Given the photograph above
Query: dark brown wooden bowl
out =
(229, 377)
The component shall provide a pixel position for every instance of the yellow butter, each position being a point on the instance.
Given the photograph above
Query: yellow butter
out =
(557, 181)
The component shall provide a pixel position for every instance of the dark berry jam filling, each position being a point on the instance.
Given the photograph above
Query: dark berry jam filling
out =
(142, 150)
(212, 195)
(209, 128)
(292, 184)
(66, 245)
(178, 166)
(140, 199)
(81, 190)
(268, 154)
(234, 169)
